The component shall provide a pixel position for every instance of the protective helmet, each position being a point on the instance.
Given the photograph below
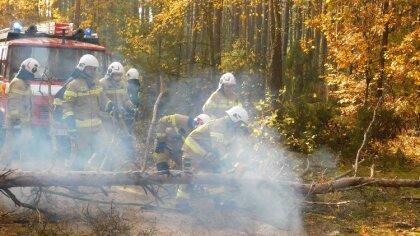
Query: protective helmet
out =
(227, 78)
(238, 114)
(115, 68)
(132, 74)
(31, 65)
(201, 120)
(87, 60)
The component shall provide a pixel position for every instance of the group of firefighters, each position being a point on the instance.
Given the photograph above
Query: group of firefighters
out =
(91, 108)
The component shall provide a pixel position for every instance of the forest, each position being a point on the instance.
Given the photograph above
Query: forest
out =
(332, 88)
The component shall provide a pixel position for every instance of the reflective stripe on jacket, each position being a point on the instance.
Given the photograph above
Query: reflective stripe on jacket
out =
(116, 91)
(84, 103)
(214, 136)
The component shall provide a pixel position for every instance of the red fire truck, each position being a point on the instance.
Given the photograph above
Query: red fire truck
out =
(57, 49)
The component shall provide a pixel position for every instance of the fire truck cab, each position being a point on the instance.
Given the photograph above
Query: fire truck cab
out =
(58, 49)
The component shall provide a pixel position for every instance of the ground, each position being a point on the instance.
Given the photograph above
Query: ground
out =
(361, 211)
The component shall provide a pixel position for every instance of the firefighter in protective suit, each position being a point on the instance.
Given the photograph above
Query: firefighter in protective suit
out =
(18, 117)
(82, 102)
(133, 89)
(116, 90)
(206, 147)
(170, 136)
(133, 86)
(223, 98)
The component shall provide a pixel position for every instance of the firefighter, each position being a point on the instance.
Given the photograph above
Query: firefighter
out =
(124, 110)
(134, 80)
(170, 136)
(133, 86)
(83, 99)
(223, 98)
(206, 147)
(18, 116)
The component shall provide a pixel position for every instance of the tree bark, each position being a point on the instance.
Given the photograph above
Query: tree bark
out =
(218, 32)
(95, 179)
(275, 82)
(77, 14)
(286, 29)
(264, 33)
(210, 11)
(194, 36)
(384, 45)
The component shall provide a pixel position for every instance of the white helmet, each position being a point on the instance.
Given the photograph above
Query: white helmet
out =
(31, 65)
(201, 120)
(238, 114)
(87, 60)
(115, 68)
(132, 74)
(227, 78)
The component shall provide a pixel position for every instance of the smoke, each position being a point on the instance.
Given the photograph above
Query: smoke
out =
(278, 205)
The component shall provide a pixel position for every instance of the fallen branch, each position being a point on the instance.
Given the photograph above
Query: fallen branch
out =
(16, 201)
(142, 205)
(327, 203)
(95, 179)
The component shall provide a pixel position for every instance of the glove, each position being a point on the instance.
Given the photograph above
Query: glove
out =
(160, 146)
(163, 167)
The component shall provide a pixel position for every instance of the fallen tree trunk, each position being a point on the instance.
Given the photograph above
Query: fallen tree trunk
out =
(95, 179)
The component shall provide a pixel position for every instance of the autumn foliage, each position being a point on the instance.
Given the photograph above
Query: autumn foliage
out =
(311, 71)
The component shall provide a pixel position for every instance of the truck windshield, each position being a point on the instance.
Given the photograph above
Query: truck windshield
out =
(60, 62)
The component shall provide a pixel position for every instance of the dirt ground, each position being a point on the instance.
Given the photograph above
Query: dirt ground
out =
(75, 217)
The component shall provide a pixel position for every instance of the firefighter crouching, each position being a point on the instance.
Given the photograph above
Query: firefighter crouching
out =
(223, 98)
(18, 116)
(170, 136)
(83, 99)
(116, 124)
(206, 147)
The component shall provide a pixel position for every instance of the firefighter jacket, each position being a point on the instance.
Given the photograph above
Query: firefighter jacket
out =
(133, 89)
(116, 91)
(219, 102)
(206, 146)
(174, 127)
(84, 100)
(18, 103)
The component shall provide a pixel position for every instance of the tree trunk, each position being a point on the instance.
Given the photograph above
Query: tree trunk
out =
(218, 9)
(210, 9)
(286, 29)
(95, 179)
(194, 36)
(316, 57)
(275, 82)
(264, 33)
(258, 27)
(77, 14)
(235, 22)
(384, 45)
